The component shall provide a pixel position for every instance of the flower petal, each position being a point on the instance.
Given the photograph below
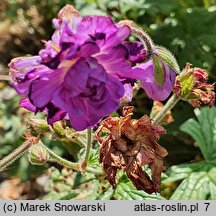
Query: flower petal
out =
(145, 73)
(115, 62)
(43, 88)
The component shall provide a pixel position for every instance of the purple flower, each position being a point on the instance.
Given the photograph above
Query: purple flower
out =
(85, 71)
(145, 73)
(80, 73)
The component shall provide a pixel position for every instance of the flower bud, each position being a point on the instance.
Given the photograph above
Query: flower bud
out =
(38, 155)
(38, 125)
(59, 129)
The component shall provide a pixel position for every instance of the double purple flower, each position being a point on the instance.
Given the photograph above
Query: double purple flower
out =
(85, 70)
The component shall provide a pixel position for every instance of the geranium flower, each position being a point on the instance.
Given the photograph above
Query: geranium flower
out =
(157, 67)
(129, 145)
(145, 73)
(85, 71)
(80, 73)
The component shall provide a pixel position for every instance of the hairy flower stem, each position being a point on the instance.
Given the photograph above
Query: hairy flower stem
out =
(89, 142)
(76, 166)
(16, 154)
(63, 162)
(144, 38)
(141, 35)
(168, 106)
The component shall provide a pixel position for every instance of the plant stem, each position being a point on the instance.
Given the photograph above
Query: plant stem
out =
(144, 38)
(168, 106)
(63, 162)
(76, 166)
(94, 171)
(89, 142)
(16, 154)
(141, 35)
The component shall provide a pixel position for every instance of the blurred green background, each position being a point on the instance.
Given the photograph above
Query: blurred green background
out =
(186, 27)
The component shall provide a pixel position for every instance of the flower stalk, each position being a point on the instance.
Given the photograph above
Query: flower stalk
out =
(141, 35)
(89, 142)
(63, 162)
(53, 157)
(75, 166)
(17, 153)
(168, 106)
(144, 38)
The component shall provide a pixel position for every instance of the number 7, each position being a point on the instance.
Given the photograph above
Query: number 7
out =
(207, 205)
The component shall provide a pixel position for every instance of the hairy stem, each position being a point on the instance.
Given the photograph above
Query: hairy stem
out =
(141, 35)
(88, 146)
(168, 106)
(75, 166)
(63, 162)
(144, 38)
(16, 154)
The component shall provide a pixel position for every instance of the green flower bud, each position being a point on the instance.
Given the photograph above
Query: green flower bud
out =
(38, 155)
(38, 125)
(59, 129)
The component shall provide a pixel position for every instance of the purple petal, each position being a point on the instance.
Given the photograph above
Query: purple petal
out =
(86, 112)
(115, 62)
(22, 65)
(145, 73)
(54, 113)
(25, 103)
(76, 78)
(42, 89)
(97, 24)
(117, 37)
(87, 49)
(24, 70)
(97, 94)
(128, 95)
(136, 51)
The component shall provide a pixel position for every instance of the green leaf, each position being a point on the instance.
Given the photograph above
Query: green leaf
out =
(198, 185)
(179, 172)
(199, 179)
(125, 190)
(107, 195)
(158, 70)
(166, 56)
(69, 196)
(203, 131)
(193, 188)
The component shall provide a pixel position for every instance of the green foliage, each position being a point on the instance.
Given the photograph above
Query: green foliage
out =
(203, 131)
(198, 178)
(126, 191)
(158, 70)
(66, 185)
